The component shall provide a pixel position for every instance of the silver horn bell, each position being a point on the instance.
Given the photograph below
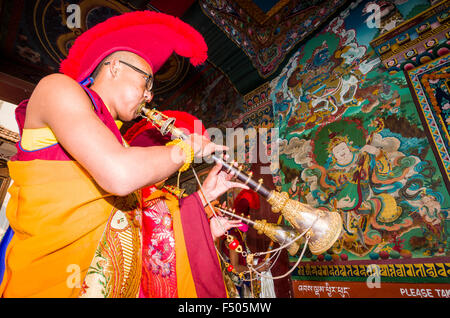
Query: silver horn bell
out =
(323, 227)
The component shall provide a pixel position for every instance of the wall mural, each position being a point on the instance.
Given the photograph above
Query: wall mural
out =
(353, 140)
(423, 38)
(430, 85)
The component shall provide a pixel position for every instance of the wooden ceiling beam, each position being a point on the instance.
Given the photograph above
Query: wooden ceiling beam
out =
(13, 89)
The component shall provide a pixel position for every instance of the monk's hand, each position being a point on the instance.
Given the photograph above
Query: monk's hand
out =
(218, 182)
(219, 225)
(204, 147)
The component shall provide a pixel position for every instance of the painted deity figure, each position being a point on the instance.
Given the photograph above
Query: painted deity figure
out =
(361, 182)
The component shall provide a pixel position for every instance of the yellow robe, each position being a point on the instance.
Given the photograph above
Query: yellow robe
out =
(58, 214)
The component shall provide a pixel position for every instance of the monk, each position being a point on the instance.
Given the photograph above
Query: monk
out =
(74, 206)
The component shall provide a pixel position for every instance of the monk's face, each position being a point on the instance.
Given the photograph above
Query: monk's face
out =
(132, 84)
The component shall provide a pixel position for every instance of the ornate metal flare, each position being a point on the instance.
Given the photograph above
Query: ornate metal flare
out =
(280, 234)
(324, 227)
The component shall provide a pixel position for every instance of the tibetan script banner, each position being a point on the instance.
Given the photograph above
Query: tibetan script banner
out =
(438, 271)
(314, 289)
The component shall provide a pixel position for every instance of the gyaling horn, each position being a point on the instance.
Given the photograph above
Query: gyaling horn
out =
(324, 227)
(280, 234)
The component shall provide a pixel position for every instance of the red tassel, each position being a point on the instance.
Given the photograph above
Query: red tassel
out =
(251, 197)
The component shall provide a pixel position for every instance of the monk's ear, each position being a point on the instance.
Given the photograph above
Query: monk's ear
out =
(114, 67)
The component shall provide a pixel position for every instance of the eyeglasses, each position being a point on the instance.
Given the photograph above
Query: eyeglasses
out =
(148, 77)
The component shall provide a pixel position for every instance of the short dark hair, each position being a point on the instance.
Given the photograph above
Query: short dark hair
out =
(99, 67)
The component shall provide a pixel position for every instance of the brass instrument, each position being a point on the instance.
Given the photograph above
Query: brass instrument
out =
(323, 227)
(280, 234)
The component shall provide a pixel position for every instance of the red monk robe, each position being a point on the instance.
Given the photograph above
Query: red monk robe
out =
(178, 255)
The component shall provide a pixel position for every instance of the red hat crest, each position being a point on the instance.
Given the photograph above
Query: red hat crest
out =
(152, 35)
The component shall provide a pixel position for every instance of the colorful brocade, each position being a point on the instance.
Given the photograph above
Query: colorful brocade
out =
(179, 257)
(115, 270)
(158, 249)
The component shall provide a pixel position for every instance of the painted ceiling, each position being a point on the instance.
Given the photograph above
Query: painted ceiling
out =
(266, 31)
